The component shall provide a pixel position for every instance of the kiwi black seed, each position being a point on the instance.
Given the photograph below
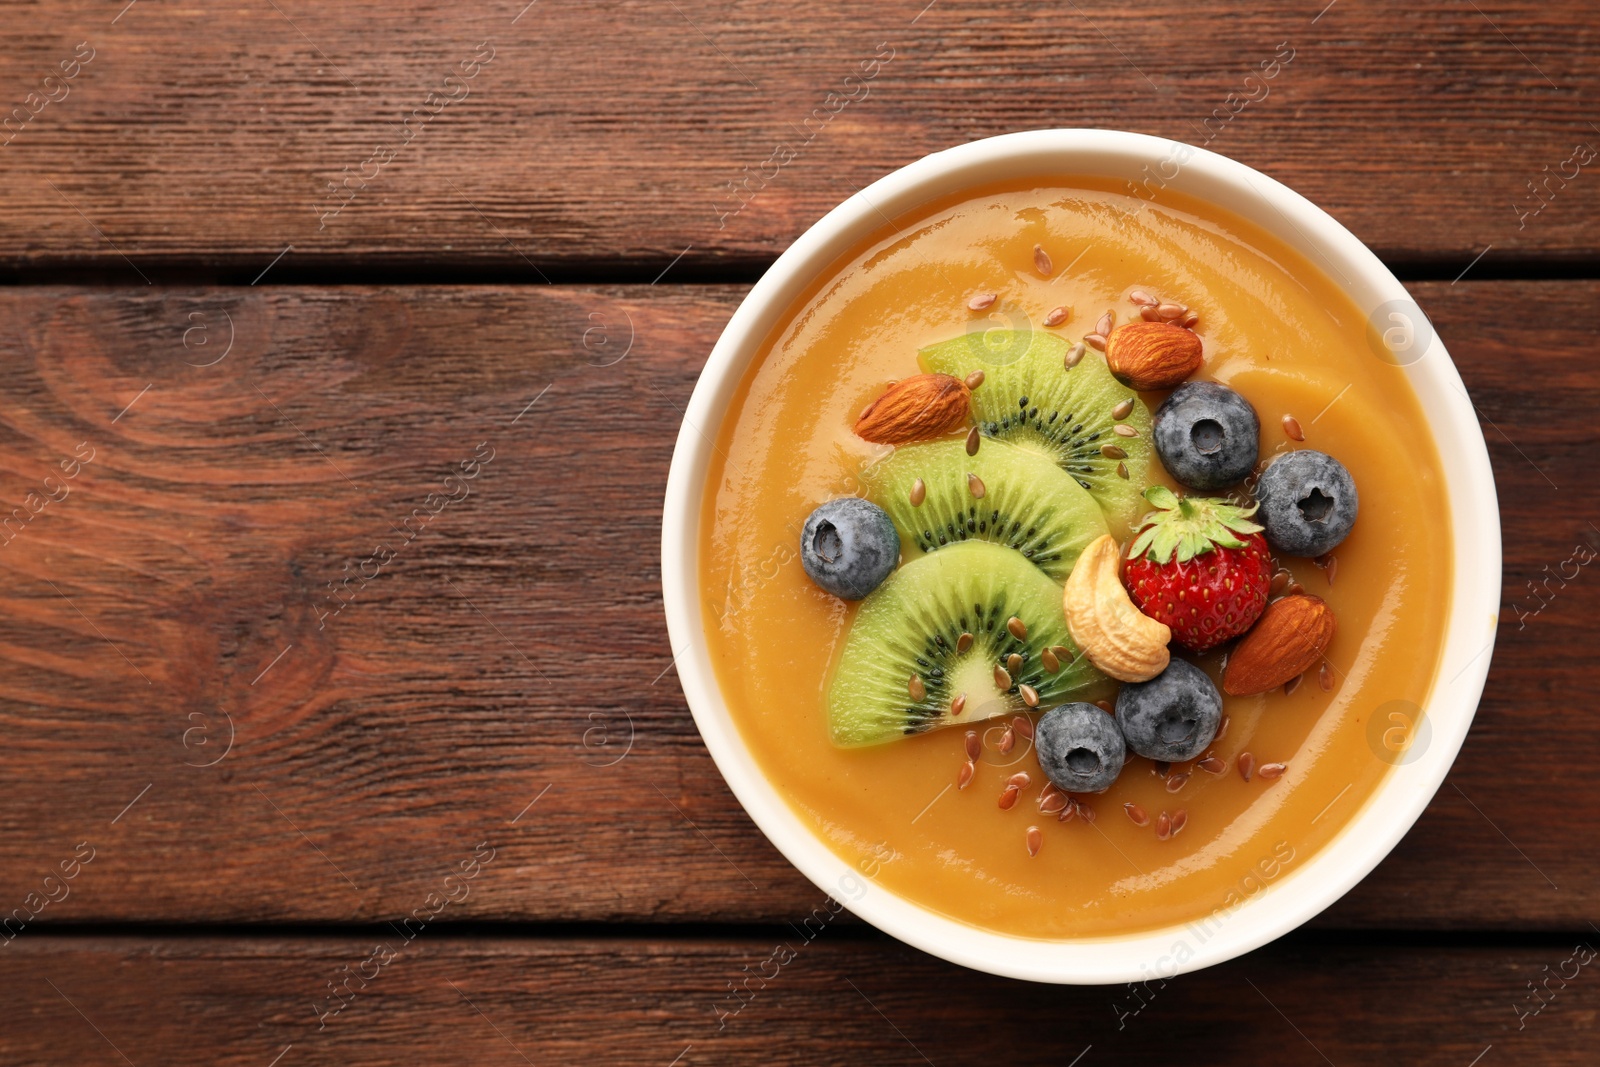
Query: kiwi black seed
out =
(1029, 504)
(913, 625)
(1032, 400)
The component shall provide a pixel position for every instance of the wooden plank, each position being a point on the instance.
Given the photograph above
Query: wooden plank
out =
(629, 135)
(182, 590)
(494, 1001)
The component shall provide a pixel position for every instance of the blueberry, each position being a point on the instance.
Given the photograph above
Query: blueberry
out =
(1173, 716)
(1207, 435)
(849, 546)
(1079, 747)
(1308, 503)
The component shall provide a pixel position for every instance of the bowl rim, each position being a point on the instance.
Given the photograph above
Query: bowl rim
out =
(1371, 832)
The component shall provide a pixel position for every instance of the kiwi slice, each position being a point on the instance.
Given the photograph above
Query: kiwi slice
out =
(937, 629)
(1029, 398)
(1028, 503)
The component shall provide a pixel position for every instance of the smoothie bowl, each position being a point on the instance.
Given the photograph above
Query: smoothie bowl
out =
(1081, 557)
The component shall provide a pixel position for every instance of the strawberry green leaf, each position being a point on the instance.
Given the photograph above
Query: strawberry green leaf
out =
(1186, 527)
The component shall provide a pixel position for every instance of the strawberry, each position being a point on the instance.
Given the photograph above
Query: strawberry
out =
(1200, 566)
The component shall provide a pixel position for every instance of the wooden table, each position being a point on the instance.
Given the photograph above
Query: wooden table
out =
(275, 682)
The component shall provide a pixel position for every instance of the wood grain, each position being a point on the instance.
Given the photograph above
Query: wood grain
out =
(513, 650)
(497, 1001)
(615, 137)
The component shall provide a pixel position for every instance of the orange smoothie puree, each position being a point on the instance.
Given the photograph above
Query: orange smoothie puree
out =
(1275, 329)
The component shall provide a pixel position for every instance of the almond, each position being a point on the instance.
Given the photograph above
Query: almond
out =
(916, 409)
(1288, 639)
(1152, 355)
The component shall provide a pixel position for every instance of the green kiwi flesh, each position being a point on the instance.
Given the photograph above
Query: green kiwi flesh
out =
(912, 625)
(1029, 504)
(1030, 398)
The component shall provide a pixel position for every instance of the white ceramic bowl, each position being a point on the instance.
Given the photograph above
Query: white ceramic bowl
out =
(1474, 520)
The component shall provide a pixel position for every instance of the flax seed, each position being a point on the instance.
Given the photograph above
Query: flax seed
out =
(1212, 765)
(1074, 356)
(1247, 763)
(1051, 663)
(1177, 782)
(1270, 771)
(1163, 826)
(981, 301)
(1295, 589)
(919, 492)
(1103, 327)
(1190, 321)
(1333, 568)
(1113, 452)
(1136, 813)
(1023, 726)
(974, 744)
(1068, 812)
(917, 690)
(1122, 471)
(1008, 797)
(1058, 315)
(1105, 706)
(1168, 312)
(1053, 803)
(975, 486)
(1123, 409)
(1142, 298)
(972, 441)
(1222, 729)
(1279, 582)
(1124, 431)
(1030, 695)
(1291, 428)
(1017, 628)
(975, 379)
(1035, 840)
(1085, 812)
(964, 778)
(1180, 819)
(1008, 741)
(1150, 314)
(1014, 664)
(1002, 680)
(1325, 677)
(1021, 780)
(1096, 341)
(964, 642)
